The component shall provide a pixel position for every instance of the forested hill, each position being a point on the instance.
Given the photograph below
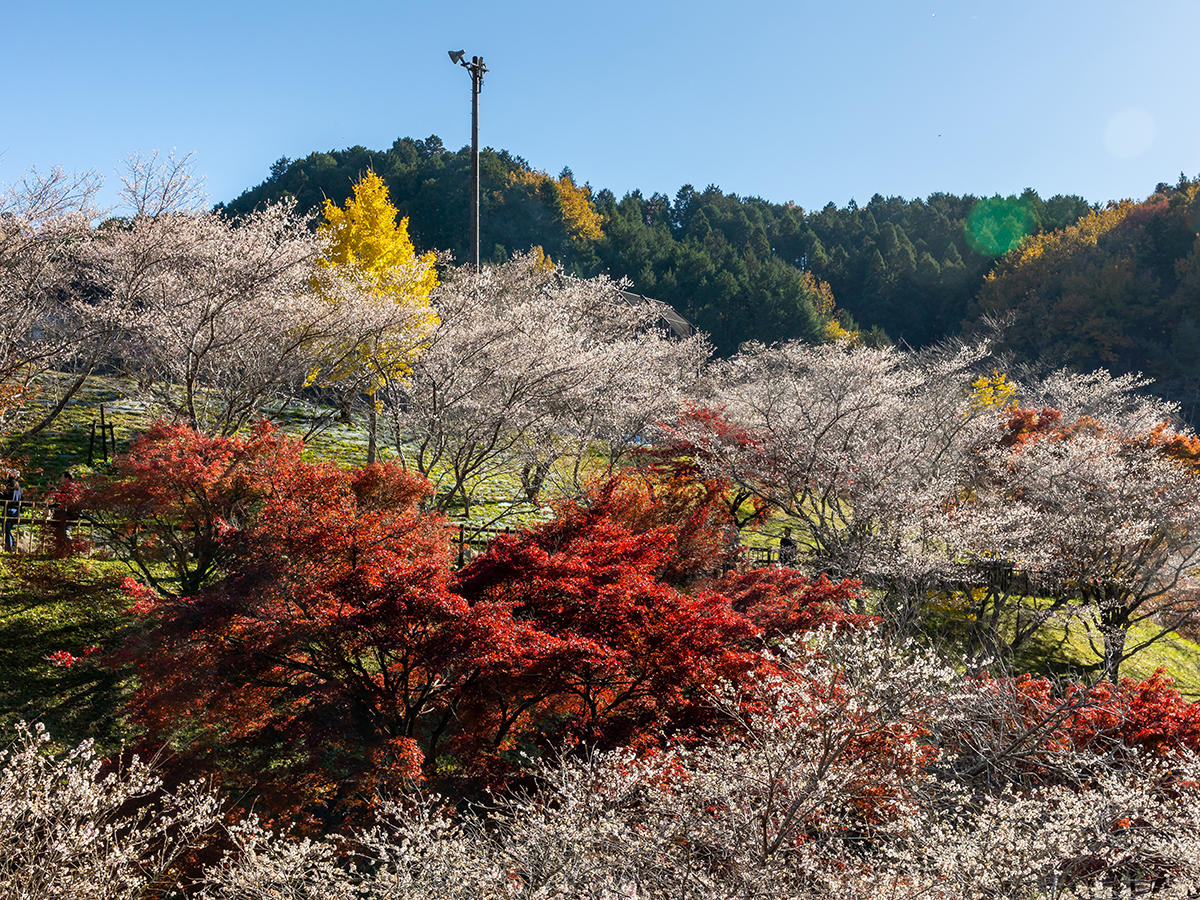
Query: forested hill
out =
(1120, 289)
(741, 268)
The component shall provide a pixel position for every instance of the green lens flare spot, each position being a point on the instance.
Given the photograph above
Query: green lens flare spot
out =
(1193, 216)
(998, 224)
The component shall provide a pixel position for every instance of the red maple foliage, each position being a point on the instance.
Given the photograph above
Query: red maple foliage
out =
(315, 648)
(329, 654)
(169, 501)
(303, 672)
(1173, 444)
(782, 601)
(604, 648)
(312, 645)
(1026, 424)
(1150, 715)
(684, 458)
(1031, 725)
(670, 493)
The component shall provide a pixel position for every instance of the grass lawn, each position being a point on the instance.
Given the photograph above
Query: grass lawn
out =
(1062, 649)
(70, 605)
(65, 444)
(1066, 650)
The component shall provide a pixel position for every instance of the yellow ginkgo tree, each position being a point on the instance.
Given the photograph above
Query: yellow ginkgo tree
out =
(368, 249)
(992, 392)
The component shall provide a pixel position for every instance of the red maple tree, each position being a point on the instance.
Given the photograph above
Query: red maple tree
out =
(325, 652)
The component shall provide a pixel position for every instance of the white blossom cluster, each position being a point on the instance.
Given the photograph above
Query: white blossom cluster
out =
(219, 321)
(859, 444)
(214, 319)
(864, 769)
(528, 367)
(42, 328)
(898, 476)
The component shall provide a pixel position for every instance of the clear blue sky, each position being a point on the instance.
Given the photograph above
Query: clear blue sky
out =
(804, 101)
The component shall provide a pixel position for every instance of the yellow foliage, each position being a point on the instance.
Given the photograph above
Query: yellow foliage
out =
(541, 259)
(992, 392)
(835, 332)
(579, 215)
(955, 604)
(364, 234)
(530, 178)
(826, 309)
(365, 237)
(824, 294)
(1054, 246)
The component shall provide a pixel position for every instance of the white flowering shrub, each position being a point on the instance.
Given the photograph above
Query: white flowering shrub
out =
(861, 768)
(1128, 834)
(69, 831)
(261, 865)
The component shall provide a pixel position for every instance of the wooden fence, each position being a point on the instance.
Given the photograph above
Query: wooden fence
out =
(42, 528)
(38, 527)
(471, 541)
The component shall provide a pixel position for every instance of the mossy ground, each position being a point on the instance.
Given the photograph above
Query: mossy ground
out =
(65, 443)
(72, 605)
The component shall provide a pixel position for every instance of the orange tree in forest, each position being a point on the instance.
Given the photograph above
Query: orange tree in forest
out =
(330, 653)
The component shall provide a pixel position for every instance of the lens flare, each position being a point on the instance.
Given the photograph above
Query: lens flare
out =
(998, 224)
(1129, 133)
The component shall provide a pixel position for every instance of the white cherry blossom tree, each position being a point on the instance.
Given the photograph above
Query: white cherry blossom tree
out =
(528, 367)
(861, 447)
(221, 318)
(47, 317)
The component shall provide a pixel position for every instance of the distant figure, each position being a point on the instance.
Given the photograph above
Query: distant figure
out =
(787, 549)
(65, 513)
(12, 512)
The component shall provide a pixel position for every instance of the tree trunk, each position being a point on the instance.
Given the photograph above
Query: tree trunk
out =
(372, 429)
(1114, 622)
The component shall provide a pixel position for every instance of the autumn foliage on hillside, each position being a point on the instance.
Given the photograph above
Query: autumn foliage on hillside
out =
(613, 702)
(1116, 289)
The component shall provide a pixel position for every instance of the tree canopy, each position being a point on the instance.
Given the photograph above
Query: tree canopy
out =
(1118, 289)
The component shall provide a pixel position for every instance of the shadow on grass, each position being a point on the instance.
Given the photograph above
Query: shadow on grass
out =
(1053, 652)
(71, 606)
(1061, 650)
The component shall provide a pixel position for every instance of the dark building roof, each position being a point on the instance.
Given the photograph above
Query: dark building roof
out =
(678, 325)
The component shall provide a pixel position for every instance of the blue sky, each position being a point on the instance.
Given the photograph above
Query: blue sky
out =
(803, 101)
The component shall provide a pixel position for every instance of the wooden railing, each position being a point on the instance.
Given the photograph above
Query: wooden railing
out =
(471, 541)
(40, 527)
(763, 556)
